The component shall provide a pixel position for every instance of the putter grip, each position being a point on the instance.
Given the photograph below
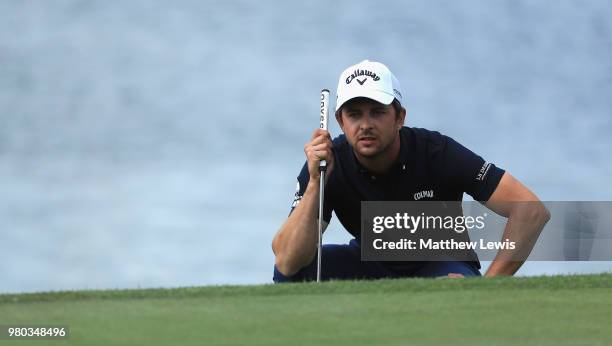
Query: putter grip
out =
(323, 118)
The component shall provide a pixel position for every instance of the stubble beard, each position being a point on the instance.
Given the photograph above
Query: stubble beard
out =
(368, 154)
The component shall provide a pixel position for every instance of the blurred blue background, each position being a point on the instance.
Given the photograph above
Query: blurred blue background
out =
(150, 143)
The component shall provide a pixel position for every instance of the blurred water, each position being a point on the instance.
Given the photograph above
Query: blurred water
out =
(149, 144)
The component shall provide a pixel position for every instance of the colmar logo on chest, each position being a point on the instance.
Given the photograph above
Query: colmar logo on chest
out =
(423, 194)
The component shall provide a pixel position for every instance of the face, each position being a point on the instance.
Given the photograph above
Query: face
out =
(370, 127)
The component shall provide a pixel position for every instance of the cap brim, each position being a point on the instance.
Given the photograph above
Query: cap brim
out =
(378, 96)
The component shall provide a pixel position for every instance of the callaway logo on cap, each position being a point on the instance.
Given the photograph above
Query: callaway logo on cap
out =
(369, 79)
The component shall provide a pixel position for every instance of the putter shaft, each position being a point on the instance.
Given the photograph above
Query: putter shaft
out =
(320, 243)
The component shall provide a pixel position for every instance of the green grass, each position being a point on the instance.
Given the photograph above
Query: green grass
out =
(561, 310)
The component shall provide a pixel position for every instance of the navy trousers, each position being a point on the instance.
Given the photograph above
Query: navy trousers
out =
(343, 262)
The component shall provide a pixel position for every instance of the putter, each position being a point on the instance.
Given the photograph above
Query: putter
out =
(322, 168)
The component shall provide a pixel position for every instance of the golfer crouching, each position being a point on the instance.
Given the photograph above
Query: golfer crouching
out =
(379, 159)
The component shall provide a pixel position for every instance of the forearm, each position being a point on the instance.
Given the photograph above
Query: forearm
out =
(295, 244)
(524, 225)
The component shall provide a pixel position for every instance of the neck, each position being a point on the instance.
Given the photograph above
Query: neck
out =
(383, 161)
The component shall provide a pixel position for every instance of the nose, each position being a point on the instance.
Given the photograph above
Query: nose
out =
(366, 123)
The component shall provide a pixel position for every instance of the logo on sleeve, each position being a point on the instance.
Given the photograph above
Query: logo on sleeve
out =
(483, 171)
(297, 197)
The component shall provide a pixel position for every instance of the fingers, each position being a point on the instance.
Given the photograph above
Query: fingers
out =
(320, 133)
(322, 147)
(321, 141)
(322, 151)
(319, 148)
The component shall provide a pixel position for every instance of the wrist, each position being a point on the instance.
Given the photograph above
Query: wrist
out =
(313, 185)
(314, 178)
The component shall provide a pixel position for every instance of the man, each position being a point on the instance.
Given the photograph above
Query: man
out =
(379, 159)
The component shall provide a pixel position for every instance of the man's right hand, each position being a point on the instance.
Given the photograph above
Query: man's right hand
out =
(319, 148)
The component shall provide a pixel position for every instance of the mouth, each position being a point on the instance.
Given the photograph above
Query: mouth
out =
(367, 139)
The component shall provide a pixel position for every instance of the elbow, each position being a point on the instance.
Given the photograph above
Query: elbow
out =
(289, 259)
(285, 266)
(281, 262)
(542, 214)
(290, 263)
(277, 243)
(538, 214)
(546, 214)
(530, 215)
(281, 265)
(275, 246)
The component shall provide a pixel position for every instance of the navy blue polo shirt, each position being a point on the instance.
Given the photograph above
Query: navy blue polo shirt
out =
(430, 166)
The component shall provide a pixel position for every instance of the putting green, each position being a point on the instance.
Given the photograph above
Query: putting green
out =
(561, 310)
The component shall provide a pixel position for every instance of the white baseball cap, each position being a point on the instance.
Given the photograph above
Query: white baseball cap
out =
(369, 79)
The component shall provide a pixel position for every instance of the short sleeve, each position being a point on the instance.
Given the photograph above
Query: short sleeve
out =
(302, 181)
(466, 171)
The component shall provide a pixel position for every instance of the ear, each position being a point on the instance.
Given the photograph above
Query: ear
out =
(339, 120)
(401, 118)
